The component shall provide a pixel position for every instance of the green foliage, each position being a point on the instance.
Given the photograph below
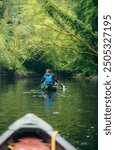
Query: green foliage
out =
(1, 9)
(79, 32)
(37, 34)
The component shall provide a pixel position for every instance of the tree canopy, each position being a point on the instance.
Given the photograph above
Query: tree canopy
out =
(38, 34)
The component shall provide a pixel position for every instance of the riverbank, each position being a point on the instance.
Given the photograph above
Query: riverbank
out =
(34, 75)
(91, 77)
(19, 75)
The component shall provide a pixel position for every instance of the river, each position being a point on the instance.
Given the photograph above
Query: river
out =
(73, 112)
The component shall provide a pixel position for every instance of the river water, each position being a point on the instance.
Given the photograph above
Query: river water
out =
(73, 112)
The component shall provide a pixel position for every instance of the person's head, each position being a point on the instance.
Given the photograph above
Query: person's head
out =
(48, 71)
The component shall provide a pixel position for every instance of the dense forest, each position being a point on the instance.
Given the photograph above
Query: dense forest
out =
(56, 34)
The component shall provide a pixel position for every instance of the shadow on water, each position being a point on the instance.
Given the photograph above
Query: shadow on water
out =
(72, 112)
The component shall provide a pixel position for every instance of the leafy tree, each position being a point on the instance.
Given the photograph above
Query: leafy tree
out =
(36, 34)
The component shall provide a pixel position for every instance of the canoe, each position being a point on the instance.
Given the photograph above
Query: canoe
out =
(32, 133)
(49, 88)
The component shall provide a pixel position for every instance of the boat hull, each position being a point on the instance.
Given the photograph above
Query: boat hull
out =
(49, 88)
(33, 127)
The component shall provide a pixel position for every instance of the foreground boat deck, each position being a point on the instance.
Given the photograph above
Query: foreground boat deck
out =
(32, 133)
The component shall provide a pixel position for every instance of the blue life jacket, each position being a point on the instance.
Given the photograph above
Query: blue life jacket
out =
(48, 79)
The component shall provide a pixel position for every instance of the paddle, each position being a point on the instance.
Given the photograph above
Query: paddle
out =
(39, 86)
(62, 85)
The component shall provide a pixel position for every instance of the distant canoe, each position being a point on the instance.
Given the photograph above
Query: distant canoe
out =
(32, 133)
(49, 88)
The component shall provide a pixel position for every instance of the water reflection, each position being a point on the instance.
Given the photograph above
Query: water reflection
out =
(48, 102)
(48, 98)
(72, 112)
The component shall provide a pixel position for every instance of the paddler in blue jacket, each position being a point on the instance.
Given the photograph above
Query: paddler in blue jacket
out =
(49, 78)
